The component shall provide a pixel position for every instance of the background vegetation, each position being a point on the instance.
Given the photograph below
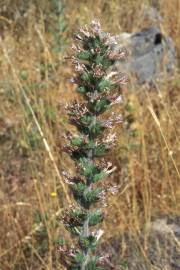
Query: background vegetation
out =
(34, 86)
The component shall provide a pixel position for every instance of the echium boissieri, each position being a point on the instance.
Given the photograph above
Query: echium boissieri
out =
(94, 56)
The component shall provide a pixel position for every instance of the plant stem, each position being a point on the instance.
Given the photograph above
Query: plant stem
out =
(85, 232)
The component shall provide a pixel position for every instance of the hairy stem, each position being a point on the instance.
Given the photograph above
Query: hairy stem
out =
(85, 232)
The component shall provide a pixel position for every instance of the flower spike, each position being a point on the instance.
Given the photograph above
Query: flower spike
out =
(100, 86)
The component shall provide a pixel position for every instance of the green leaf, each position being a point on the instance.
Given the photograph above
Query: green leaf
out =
(87, 119)
(88, 242)
(78, 189)
(100, 106)
(91, 196)
(99, 177)
(77, 141)
(95, 217)
(99, 59)
(104, 84)
(85, 55)
(87, 77)
(107, 63)
(85, 196)
(79, 258)
(93, 42)
(89, 170)
(90, 145)
(92, 264)
(90, 125)
(81, 90)
(100, 150)
(96, 128)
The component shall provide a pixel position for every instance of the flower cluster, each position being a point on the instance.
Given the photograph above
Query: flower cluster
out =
(93, 59)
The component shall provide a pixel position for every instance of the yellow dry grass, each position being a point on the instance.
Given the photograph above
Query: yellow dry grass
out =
(32, 122)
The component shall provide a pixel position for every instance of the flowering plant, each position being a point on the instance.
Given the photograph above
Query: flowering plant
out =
(100, 86)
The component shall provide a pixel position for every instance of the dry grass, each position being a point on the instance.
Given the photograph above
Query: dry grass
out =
(33, 89)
